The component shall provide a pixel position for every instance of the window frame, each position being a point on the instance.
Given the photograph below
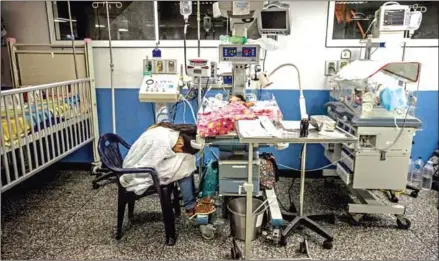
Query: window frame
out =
(130, 43)
(354, 43)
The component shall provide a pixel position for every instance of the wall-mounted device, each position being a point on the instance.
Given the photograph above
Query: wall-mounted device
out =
(198, 68)
(159, 66)
(391, 18)
(159, 88)
(274, 19)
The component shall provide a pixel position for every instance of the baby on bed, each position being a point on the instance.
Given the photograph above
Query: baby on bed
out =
(166, 147)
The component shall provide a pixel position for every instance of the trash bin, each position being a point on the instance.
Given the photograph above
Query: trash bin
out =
(237, 216)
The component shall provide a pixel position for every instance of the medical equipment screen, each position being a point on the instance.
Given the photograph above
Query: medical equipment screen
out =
(274, 20)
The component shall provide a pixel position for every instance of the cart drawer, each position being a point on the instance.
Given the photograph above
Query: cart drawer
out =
(344, 174)
(237, 170)
(231, 186)
(347, 161)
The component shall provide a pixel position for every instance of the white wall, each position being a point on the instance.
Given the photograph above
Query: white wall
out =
(305, 47)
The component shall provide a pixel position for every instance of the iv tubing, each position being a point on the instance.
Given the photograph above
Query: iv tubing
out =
(198, 26)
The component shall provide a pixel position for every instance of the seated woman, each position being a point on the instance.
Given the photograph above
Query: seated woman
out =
(166, 147)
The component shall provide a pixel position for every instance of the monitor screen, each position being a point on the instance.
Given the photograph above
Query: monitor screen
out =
(274, 19)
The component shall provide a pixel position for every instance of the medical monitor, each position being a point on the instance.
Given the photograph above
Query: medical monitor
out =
(274, 21)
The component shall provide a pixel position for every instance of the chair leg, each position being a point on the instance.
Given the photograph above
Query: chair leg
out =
(176, 201)
(168, 215)
(131, 204)
(120, 211)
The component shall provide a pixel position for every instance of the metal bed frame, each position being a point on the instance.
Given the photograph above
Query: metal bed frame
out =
(53, 117)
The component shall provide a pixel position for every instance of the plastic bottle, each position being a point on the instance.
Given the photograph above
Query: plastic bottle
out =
(410, 170)
(417, 172)
(427, 175)
(186, 8)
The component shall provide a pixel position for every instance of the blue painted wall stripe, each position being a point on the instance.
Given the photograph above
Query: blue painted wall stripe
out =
(134, 117)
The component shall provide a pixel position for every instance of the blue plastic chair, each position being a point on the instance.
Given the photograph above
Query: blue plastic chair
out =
(109, 151)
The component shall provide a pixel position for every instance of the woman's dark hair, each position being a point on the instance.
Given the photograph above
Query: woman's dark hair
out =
(187, 131)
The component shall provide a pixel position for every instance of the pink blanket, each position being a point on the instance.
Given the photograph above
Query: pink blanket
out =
(222, 120)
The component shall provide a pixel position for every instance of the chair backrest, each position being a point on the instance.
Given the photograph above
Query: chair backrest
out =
(109, 151)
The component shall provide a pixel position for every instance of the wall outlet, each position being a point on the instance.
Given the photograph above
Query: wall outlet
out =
(331, 67)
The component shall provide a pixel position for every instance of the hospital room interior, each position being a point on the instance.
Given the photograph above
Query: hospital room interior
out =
(219, 130)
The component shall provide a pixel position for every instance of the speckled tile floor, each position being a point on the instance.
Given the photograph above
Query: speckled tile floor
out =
(56, 215)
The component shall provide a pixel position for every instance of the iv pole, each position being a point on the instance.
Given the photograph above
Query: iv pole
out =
(113, 102)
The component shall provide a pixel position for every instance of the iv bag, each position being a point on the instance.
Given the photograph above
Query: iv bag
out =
(185, 8)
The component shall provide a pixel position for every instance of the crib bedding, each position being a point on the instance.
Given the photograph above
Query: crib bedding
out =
(37, 116)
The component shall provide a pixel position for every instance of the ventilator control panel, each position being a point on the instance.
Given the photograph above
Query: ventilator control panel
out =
(248, 53)
(159, 88)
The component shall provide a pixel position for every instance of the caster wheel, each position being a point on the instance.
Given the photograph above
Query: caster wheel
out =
(332, 220)
(95, 185)
(328, 183)
(118, 237)
(327, 244)
(414, 194)
(283, 241)
(394, 199)
(302, 247)
(403, 223)
(355, 220)
(208, 236)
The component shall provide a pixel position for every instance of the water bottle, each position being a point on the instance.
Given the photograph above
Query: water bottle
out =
(410, 171)
(417, 172)
(427, 175)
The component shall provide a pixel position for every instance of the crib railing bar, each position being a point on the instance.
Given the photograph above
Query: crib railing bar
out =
(57, 117)
(41, 87)
(36, 170)
(26, 136)
(4, 154)
(61, 129)
(89, 110)
(32, 124)
(69, 45)
(51, 114)
(47, 52)
(77, 115)
(17, 125)
(67, 117)
(44, 123)
(72, 114)
(11, 139)
(81, 109)
(39, 133)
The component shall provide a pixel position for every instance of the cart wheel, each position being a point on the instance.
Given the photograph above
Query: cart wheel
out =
(394, 198)
(403, 222)
(94, 170)
(414, 193)
(328, 182)
(302, 247)
(95, 185)
(332, 220)
(355, 220)
(283, 241)
(208, 235)
(327, 244)
(232, 253)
